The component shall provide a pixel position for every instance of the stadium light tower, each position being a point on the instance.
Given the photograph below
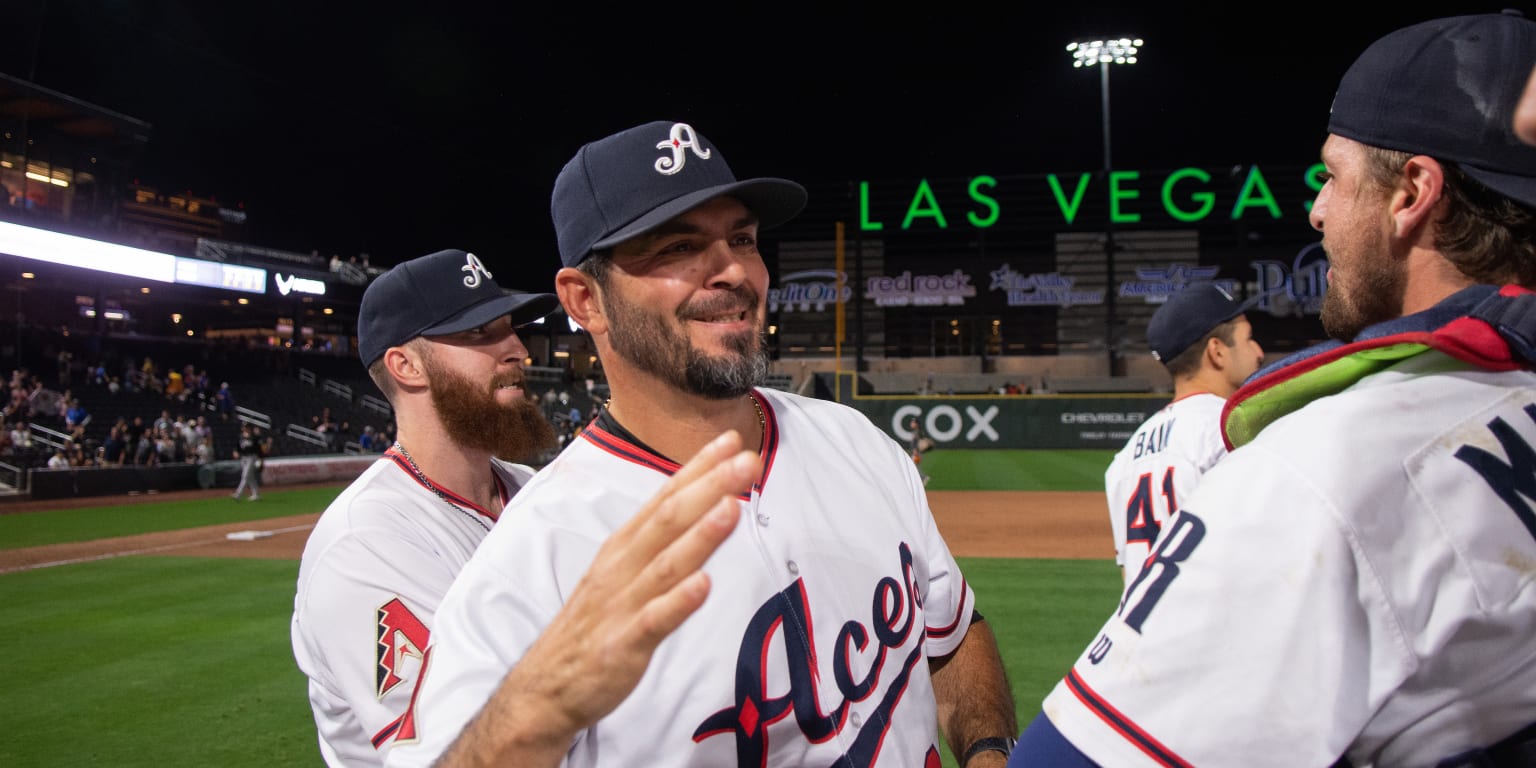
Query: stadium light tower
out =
(1104, 52)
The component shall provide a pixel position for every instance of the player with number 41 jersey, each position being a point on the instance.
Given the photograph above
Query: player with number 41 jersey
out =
(1202, 337)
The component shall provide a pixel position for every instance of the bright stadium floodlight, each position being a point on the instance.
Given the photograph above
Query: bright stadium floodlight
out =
(1103, 52)
(1086, 53)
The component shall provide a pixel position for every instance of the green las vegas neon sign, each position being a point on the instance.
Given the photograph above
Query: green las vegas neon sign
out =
(1184, 194)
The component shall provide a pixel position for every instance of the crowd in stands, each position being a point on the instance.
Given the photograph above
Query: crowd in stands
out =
(106, 403)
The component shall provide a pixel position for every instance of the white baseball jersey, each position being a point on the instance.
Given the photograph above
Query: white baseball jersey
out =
(1156, 470)
(1358, 580)
(374, 570)
(825, 605)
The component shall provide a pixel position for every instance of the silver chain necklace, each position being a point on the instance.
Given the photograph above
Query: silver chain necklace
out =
(422, 476)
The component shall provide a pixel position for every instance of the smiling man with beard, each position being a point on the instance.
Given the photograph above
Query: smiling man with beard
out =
(838, 628)
(439, 338)
(1352, 584)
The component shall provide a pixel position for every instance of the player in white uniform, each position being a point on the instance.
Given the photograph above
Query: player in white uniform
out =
(1353, 584)
(438, 336)
(1204, 340)
(838, 628)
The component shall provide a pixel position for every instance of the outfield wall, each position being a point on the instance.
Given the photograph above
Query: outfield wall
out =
(109, 481)
(1029, 422)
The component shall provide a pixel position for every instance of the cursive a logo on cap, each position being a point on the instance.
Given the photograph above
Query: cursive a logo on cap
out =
(683, 138)
(475, 269)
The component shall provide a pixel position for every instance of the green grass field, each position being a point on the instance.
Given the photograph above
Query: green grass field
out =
(155, 661)
(1080, 470)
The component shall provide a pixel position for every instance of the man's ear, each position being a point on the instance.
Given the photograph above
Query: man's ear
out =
(404, 365)
(582, 299)
(1420, 189)
(1216, 351)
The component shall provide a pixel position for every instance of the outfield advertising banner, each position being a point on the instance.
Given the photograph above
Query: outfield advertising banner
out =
(1013, 421)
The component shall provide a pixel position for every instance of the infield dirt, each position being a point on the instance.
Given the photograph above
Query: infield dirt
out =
(1035, 524)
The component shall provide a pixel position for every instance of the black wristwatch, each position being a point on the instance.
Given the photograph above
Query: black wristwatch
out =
(993, 743)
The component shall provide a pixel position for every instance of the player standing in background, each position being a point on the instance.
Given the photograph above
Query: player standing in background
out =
(1353, 585)
(1201, 336)
(838, 629)
(439, 338)
(248, 451)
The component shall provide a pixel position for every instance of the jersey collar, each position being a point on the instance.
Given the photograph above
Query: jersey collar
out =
(608, 434)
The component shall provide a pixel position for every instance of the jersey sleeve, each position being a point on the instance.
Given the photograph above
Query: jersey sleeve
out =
(1237, 620)
(362, 642)
(949, 599)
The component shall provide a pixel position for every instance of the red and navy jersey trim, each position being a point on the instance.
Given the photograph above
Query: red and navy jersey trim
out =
(608, 435)
(1121, 724)
(939, 633)
(454, 498)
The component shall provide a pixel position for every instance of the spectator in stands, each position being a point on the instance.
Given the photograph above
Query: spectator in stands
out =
(114, 385)
(114, 449)
(186, 433)
(164, 422)
(165, 447)
(203, 429)
(76, 416)
(224, 401)
(43, 401)
(151, 377)
(136, 441)
(176, 386)
(365, 440)
(21, 437)
(58, 460)
(325, 424)
(196, 382)
(202, 451)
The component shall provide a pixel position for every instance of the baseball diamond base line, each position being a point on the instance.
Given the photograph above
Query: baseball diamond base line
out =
(1018, 524)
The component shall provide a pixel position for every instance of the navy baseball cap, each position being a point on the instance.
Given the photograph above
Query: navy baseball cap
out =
(633, 181)
(1447, 88)
(1187, 316)
(438, 294)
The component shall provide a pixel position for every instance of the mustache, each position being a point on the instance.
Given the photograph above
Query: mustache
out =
(509, 380)
(742, 298)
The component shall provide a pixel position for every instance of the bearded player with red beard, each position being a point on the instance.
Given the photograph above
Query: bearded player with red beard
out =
(439, 338)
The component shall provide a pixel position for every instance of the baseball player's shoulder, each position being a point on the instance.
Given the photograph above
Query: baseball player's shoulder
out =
(1397, 407)
(359, 504)
(585, 489)
(789, 407)
(1203, 404)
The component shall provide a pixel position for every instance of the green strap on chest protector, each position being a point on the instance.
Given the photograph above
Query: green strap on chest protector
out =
(1249, 416)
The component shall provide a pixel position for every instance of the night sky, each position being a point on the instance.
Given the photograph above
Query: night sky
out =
(397, 129)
